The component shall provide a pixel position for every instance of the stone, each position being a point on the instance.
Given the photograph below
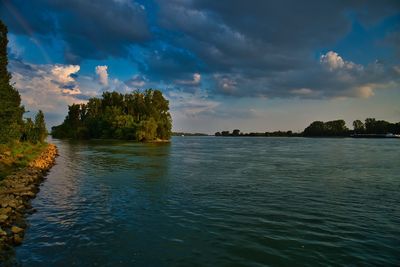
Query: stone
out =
(5, 211)
(2, 232)
(16, 229)
(17, 239)
(14, 203)
(3, 218)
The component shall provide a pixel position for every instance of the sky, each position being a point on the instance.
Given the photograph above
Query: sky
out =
(229, 64)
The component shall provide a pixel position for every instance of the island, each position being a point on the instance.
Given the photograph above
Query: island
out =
(138, 116)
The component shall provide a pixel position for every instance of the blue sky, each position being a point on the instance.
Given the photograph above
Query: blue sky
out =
(251, 65)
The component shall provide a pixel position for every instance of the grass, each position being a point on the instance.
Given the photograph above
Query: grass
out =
(18, 155)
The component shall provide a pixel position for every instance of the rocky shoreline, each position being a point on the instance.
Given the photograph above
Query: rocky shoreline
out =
(16, 191)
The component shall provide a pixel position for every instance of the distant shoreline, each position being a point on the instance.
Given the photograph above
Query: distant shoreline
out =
(378, 136)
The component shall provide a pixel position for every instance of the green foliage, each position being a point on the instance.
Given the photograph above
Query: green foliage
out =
(358, 127)
(40, 127)
(338, 128)
(330, 128)
(34, 132)
(11, 110)
(373, 126)
(18, 155)
(140, 116)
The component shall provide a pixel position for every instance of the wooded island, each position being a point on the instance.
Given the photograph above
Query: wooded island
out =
(140, 116)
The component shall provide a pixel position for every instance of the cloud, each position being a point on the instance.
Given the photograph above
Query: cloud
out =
(225, 47)
(191, 104)
(102, 73)
(50, 88)
(137, 81)
(89, 29)
(245, 51)
(194, 82)
(333, 61)
(63, 74)
(307, 92)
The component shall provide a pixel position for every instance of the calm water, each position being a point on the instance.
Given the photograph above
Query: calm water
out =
(205, 201)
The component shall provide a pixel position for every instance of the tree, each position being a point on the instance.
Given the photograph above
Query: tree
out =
(28, 133)
(225, 133)
(335, 128)
(316, 128)
(330, 128)
(141, 116)
(236, 132)
(358, 127)
(11, 110)
(40, 127)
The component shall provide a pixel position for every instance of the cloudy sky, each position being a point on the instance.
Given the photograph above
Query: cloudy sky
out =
(253, 65)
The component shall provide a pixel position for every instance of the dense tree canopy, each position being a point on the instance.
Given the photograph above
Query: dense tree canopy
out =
(140, 116)
(12, 125)
(338, 128)
(373, 126)
(330, 128)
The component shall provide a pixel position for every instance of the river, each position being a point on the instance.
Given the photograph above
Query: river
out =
(208, 201)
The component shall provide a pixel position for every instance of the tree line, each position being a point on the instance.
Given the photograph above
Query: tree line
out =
(237, 132)
(338, 128)
(13, 127)
(140, 116)
(330, 128)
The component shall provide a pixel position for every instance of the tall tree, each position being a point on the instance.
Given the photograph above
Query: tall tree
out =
(11, 110)
(358, 126)
(40, 127)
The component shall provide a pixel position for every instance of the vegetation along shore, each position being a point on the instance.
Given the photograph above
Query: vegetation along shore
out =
(16, 191)
(372, 128)
(25, 157)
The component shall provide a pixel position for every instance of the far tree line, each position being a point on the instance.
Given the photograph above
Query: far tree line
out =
(330, 128)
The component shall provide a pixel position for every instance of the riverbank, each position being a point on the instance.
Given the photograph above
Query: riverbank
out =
(16, 191)
(18, 156)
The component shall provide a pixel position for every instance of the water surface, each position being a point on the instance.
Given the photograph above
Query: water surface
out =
(205, 201)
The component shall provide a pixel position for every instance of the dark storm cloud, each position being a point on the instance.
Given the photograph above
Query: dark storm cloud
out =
(90, 29)
(267, 48)
(169, 62)
(240, 48)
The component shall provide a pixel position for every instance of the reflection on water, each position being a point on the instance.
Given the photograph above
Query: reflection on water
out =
(218, 201)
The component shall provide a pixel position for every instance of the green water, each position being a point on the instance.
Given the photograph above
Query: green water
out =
(205, 201)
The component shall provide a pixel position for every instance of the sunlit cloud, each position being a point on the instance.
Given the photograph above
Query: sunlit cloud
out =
(102, 73)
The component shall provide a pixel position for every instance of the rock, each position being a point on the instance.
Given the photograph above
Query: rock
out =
(2, 232)
(12, 204)
(28, 194)
(5, 211)
(3, 218)
(16, 229)
(15, 192)
(17, 239)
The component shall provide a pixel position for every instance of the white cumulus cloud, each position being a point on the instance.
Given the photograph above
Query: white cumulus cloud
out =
(195, 81)
(103, 74)
(48, 87)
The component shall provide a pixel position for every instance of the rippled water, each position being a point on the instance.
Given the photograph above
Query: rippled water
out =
(205, 201)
